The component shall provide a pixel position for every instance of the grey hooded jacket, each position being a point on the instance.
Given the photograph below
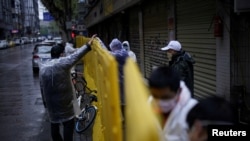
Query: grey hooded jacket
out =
(131, 54)
(56, 85)
(120, 55)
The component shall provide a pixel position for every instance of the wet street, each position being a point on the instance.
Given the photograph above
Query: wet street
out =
(22, 114)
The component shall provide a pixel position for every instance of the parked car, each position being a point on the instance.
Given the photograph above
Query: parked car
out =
(41, 52)
(34, 39)
(25, 40)
(3, 44)
(18, 41)
(58, 40)
(53, 42)
(49, 37)
(11, 43)
(41, 38)
(30, 40)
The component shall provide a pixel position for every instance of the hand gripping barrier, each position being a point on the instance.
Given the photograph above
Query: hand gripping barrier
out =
(101, 74)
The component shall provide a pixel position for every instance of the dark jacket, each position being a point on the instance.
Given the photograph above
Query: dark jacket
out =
(56, 85)
(182, 62)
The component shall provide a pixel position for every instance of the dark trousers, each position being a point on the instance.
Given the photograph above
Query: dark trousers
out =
(68, 130)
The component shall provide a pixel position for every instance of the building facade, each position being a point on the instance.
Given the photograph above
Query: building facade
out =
(18, 18)
(31, 17)
(5, 19)
(216, 33)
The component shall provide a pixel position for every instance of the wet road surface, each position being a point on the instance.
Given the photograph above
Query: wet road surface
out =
(22, 114)
(21, 109)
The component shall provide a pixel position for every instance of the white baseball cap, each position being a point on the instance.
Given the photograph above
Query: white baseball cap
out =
(175, 45)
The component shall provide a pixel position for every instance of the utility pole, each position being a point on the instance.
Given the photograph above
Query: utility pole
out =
(68, 11)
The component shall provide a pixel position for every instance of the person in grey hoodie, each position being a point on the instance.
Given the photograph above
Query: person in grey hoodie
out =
(69, 49)
(57, 89)
(131, 54)
(121, 55)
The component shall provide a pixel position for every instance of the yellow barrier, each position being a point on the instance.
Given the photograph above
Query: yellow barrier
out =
(101, 74)
(141, 121)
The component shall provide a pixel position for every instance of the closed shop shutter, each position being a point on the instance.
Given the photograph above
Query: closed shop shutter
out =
(240, 60)
(193, 22)
(155, 34)
(134, 33)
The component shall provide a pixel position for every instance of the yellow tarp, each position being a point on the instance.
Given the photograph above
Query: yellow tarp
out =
(101, 74)
(141, 121)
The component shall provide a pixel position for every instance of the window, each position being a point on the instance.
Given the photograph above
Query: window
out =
(44, 49)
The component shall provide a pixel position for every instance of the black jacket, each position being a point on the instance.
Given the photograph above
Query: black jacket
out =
(182, 62)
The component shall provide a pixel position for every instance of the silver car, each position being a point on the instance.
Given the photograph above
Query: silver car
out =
(41, 52)
(3, 44)
(58, 40)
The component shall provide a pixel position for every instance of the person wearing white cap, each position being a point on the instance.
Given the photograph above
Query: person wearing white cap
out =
(182, 62)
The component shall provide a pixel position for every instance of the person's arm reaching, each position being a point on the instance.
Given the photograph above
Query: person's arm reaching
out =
(70, 60)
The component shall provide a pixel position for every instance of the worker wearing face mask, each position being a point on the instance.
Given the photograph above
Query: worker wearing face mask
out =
(182, 62)
(172, 100)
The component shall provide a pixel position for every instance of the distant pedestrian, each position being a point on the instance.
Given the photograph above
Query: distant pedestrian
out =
(69, 49)
(182, 62)
(20, 41)
(131, 54)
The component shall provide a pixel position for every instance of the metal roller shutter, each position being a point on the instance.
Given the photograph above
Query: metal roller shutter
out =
(155, 34)
(134, 33)
(193, 23)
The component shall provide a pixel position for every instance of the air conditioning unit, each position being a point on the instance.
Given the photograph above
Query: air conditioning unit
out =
(241, 6)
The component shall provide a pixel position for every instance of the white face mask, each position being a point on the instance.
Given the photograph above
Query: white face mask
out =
(167, 105)
(169, 56)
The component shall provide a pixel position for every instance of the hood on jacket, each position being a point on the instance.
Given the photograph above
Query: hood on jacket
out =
(183, 55)
(120, 54)
(126, 45)
(69, 49)
(115, 45)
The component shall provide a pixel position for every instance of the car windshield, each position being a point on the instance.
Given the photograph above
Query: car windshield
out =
(44, 49)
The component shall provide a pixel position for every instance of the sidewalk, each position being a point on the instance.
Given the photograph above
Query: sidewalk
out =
(45, 135)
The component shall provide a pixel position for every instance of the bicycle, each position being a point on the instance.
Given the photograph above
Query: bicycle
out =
(85, 97)
(79, 83)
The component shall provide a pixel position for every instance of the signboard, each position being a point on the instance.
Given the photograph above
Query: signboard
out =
(241, 6)
(108, 7)
(47, 17)
(14, 31)
(81, 27)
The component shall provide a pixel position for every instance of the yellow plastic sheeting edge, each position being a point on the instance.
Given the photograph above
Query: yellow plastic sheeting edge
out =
(101, 73)
(141, 121)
